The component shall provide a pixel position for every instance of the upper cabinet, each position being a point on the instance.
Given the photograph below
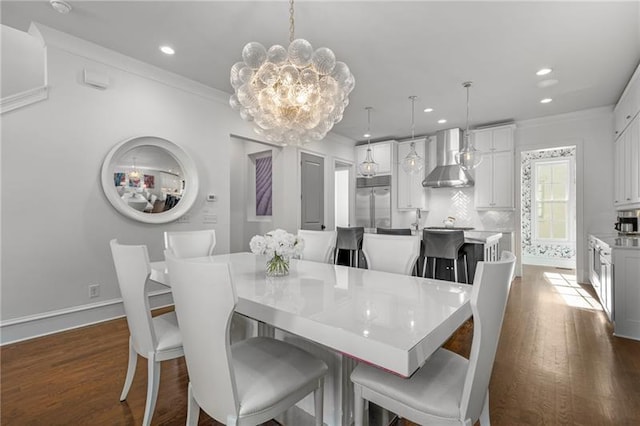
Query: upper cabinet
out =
(494, 175)
(382, 154)
(627, 146)
(628, 105)
(411, 193)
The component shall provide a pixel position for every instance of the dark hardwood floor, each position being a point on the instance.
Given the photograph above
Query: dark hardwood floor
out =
(557, 364)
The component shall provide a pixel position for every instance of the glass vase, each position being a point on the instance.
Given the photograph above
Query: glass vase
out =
(278, 266)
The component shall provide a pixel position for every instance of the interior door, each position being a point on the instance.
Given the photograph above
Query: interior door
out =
(312, 188)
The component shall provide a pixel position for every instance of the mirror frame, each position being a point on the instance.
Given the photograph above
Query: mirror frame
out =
(182, 158)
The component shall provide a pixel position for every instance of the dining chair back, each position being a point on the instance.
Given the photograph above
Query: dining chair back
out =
(156, 339)
(319, 246)
(443, 244)
(186, 244)
(448, 389)
(394, 231)
(391, 253)
(349, 239)
(246, 383)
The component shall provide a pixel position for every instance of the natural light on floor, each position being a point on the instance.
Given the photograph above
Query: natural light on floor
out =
(572, 293)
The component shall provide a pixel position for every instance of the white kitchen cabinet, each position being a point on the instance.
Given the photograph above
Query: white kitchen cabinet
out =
(411, 193)
(494, 175)
(627, 167)
(626, 293)
(628, 106)
(382, 154)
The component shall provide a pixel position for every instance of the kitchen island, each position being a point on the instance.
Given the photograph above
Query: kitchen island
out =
(478, 246)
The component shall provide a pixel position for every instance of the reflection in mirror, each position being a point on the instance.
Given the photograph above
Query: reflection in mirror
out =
(149, 179)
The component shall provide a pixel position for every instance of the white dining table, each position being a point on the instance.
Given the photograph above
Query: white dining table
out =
(393, 321)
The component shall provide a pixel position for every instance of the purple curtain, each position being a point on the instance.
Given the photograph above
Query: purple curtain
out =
(263, 186)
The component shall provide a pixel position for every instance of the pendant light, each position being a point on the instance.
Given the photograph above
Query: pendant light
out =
(134, 174)
(412, 163)
(468, 157)
(291, 96)
(368, 168)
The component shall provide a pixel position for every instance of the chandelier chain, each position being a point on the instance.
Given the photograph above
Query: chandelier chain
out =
(292, 23)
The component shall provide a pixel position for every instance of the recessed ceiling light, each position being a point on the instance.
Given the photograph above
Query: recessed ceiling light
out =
(366, 135)
(442, 121)
(544, 71)
(546, 100)
(60, 6)
(428, 109)
(547, 83)
(167, 50)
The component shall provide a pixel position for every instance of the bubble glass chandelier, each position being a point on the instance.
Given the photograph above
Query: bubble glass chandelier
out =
(292, 96)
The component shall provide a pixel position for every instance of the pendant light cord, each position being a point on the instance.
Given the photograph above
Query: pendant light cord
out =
(413, 121)
(369, 125)
(467, 140)
(291, 22)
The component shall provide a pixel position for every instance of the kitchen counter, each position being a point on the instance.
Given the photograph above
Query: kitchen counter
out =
(614, 241)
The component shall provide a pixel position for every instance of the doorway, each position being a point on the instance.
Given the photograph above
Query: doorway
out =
(342, 179)
(548, 207)
(312, 191)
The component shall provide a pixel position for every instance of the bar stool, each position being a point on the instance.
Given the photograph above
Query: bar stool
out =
(444, 244)
(394, 231)
(349, 239)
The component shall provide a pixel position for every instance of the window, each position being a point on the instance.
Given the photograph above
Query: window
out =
(551, 199)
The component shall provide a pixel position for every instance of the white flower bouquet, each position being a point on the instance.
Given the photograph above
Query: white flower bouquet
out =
(279, 246)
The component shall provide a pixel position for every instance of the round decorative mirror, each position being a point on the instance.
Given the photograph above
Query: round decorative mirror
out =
(150, 179)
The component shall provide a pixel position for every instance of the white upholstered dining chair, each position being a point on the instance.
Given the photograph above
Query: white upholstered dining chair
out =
(156, 339)
(246, 383)
(391, 253)
(448, 389)
(189, 244)
(319, 246)
(185, 244)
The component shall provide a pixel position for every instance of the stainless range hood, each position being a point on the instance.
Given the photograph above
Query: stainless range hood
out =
(448, 173)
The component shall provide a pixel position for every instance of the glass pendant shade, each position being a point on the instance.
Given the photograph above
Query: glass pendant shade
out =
(412, 163)
(291, 95)
(368, 168)
(468, 157)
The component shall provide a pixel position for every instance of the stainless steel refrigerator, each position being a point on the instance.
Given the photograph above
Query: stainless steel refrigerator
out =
(373, 202)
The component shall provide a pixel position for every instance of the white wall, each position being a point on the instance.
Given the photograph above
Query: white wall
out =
(591, 131)
(56, 222)
(23, 62)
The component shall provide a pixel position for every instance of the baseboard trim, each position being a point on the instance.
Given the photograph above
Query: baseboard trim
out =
(32, 326)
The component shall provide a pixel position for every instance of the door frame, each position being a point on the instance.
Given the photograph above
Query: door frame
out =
(352, 188)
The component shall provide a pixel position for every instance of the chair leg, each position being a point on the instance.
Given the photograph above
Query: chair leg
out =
(318, 399)
(466, 270)
(455, 270)
(484, 414)
(193, 409)
(153, 380)
(131, 371)
(358, 405)
(434, 269)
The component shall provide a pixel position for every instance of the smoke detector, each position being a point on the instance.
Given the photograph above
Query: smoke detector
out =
(60, 6)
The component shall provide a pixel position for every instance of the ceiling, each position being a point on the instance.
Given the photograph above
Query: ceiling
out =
(394, 49)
